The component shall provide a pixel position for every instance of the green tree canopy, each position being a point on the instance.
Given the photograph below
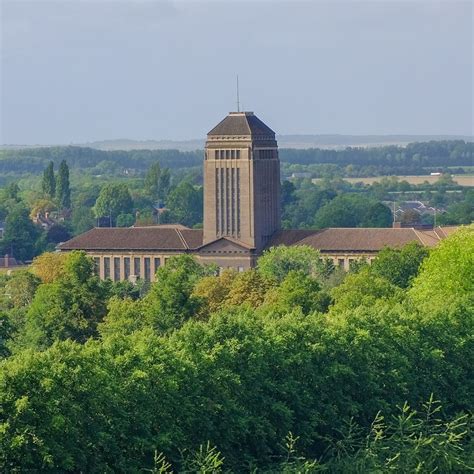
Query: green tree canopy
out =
(113, 200)
(170, 301)
(349, 210)
(185, 204)
(399, 266)
(363, 289)
(446, 276)
(68, 308)
(20, 235)
(277, 262)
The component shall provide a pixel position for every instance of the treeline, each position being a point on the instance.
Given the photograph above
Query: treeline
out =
(414, 155)
(291, 367)
(415, 158)
(34, 160)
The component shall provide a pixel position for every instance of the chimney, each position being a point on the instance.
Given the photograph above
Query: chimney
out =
(397, 225)
(7, 260)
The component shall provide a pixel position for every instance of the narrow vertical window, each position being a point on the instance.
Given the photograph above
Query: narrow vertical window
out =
(126, 268)
(116, 268)
(157, 264)
(97, 266)
(216, 154)
(136, 267)
(147, 269)
(106, 267)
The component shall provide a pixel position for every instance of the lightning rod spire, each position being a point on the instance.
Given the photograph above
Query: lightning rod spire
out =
(238, 96)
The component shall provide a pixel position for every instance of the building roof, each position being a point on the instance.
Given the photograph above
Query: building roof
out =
(180, 238)
(242, 124)
(136, 238)
(358, 239)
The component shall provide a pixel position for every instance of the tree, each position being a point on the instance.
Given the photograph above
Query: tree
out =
(12, 191)
(68, 308)
(377, 215)
(57, 233)
(49, 266)
(157, 182)
(63, 191)
(340, 212)
(445, 277)
(399, 266)
(20, 288)
(114, 199)
(277, 262)
(152, 179)
(185, 204)
(350, 210)
(48, 185)
(297, 290)
(249, 288)
(214, 291)
(42, 206)
(125, 220)
(20, 234)
(164, 183)
(363, 289)
(82, 219)
(170, 301)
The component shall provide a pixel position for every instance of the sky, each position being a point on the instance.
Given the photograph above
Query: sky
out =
(75, 71)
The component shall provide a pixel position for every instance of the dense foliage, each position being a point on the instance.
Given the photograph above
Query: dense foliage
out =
(290, 367)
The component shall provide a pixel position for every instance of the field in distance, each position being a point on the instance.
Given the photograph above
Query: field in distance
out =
(464, 180)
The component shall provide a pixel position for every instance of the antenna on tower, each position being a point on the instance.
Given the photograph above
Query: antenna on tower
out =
(238, 97)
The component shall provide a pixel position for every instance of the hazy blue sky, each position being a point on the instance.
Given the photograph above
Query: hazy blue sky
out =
(75, 71)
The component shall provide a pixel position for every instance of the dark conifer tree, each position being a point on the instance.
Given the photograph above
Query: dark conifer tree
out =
(63, 191)
(49, 181)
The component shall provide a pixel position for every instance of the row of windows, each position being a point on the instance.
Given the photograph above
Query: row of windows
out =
(227, 154)
(128, 270)
(265, 154)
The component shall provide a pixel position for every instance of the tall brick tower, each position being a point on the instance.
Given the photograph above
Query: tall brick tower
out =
(241, 181)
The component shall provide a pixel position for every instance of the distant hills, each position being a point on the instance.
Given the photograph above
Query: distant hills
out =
(284, 141)
(334, 141)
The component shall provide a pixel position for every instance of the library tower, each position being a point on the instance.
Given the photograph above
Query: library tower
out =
(241, 181)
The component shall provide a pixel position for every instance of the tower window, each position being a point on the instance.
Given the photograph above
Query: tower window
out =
(237, 154)
(227, 154)
(216, 154)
